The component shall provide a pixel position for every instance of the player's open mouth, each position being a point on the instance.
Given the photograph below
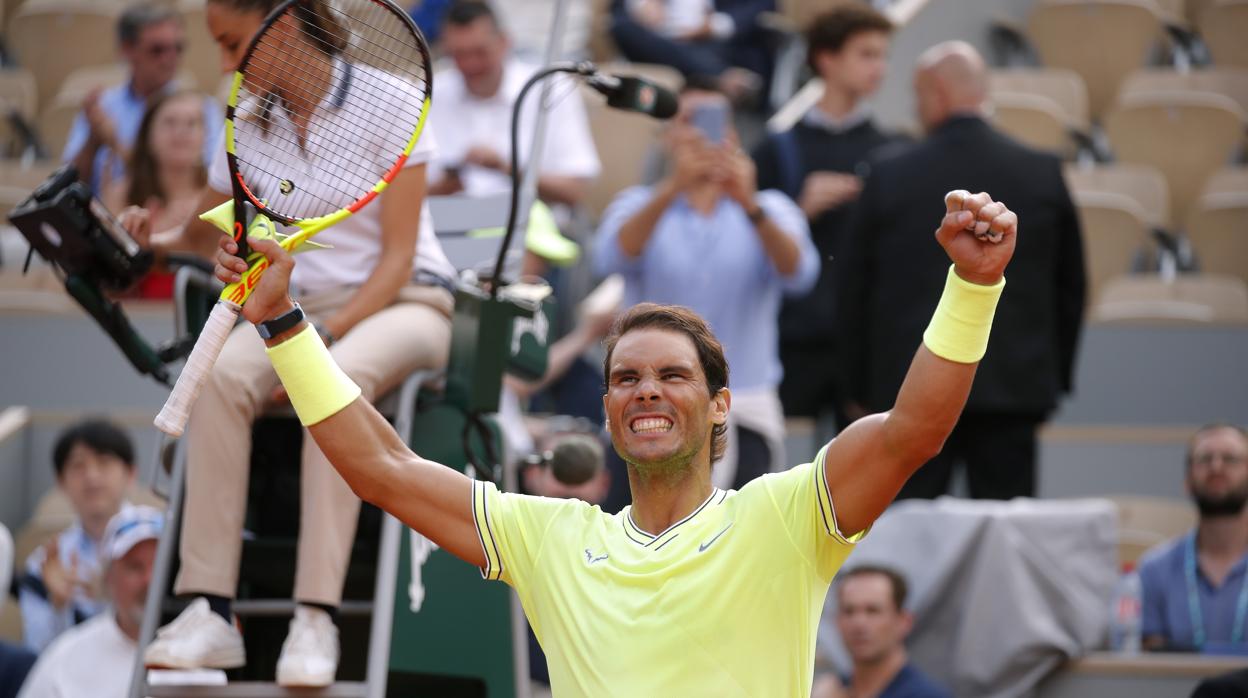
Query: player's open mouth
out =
(651, 425)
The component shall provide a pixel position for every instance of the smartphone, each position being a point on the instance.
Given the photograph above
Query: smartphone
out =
(711, 119)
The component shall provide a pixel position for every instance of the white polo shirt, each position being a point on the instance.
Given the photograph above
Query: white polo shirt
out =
(462, 120)
(91, 659)
(356, 241)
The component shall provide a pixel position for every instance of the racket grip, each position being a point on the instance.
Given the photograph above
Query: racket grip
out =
(177, 409)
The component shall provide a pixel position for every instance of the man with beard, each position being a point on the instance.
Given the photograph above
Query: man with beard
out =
(1196, 587)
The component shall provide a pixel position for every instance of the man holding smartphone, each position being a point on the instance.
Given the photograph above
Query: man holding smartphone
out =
(746, 248)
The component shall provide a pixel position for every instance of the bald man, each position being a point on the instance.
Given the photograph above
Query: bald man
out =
(887, 272)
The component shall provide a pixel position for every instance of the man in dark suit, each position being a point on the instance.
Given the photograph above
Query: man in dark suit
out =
(887, 269)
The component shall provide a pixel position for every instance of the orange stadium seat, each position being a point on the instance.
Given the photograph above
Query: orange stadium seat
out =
(1188, 299)
(1186, 134)
(1040, 107)
(1224, 25)
(1217, 227)
(41, 33)
(1102, 40)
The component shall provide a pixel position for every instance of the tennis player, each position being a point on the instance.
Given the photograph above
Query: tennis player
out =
(691, 590)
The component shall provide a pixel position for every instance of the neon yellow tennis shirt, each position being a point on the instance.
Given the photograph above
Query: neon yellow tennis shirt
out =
(724, 602)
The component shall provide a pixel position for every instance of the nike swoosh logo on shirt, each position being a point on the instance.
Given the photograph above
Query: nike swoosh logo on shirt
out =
(702, 548)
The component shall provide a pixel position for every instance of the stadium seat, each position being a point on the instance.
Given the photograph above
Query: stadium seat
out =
(1041, 107)
(202, 59)
(1143, 183)
(1187, 299)
(1115, 232)
(1101, 40)
(42, 32)
(1217, 228)
(18, 98)
(1187, 135)
(1231, 82)
(1144, 522)
(620, 136)
(1224, 25)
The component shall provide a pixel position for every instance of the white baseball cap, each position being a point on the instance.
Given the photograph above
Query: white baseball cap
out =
(129, 527)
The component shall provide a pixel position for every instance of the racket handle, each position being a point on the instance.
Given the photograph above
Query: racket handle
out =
(177, 409)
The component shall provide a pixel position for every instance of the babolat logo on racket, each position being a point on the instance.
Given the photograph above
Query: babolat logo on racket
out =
(286, 186)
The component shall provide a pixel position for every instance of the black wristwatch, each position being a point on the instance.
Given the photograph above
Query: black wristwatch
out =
(272, 328)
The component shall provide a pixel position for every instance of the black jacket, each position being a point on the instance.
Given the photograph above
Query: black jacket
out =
(892, 271)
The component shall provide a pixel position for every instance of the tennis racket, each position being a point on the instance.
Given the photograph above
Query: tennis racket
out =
(325, 107)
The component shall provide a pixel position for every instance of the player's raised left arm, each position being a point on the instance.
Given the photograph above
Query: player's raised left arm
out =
(868, 463)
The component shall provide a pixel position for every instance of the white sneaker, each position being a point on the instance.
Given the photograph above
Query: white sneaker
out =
(197, 639)
(310, 653)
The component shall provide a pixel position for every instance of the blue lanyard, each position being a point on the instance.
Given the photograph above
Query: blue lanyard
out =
(1193, 601)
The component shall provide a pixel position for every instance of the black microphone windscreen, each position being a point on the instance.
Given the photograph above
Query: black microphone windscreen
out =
(576, 458)
(636, 94)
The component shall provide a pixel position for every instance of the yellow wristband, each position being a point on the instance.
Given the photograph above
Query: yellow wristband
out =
(963, 319)
(317, 387)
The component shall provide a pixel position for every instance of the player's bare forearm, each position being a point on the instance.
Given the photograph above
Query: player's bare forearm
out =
(869, 462)
(381, 469)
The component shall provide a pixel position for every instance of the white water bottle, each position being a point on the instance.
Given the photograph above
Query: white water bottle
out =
(1127, 612)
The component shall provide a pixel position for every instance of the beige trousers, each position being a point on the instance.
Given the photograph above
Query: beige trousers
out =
(412, 334)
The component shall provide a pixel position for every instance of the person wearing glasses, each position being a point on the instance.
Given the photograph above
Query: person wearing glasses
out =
(1195, 588)
(151, 41)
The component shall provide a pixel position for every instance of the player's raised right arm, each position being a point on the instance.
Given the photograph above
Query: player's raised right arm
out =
(357, 440)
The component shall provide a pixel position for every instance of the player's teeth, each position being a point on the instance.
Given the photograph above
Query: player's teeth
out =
(651, 424)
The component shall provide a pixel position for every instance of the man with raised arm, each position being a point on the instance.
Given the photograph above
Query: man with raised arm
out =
(691, 590)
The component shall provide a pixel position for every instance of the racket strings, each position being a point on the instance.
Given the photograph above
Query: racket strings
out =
(344, 152)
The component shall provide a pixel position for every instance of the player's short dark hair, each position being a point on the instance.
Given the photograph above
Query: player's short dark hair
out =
(896, 580)
(677, 318)
(831, 30)
(135, 18)
(461, 13)
(97, 434)
(1214, 426)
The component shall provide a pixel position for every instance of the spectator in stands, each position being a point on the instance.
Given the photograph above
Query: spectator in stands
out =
(167, 175)
(94, 462)
(471, 116)
(819, 163)
(97, 657)
(745, 248)
(1037, 327)
(705, 39)
(381, 296)
(873, 623)
(1195, 588)
(151, 40)
(15, 661)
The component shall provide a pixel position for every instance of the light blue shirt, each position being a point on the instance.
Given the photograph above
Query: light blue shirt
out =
(41, 622)
(126, 110)
(1166, 606)
(716, 265)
